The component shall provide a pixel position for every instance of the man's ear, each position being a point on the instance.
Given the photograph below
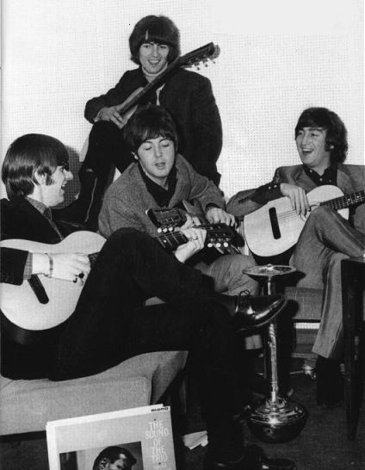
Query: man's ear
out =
(40, 179)
(135, 156)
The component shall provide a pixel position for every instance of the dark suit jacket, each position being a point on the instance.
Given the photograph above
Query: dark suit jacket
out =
(22, 357)
(189, 98)
(350, 178)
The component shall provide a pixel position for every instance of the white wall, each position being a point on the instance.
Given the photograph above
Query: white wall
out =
(277, 57)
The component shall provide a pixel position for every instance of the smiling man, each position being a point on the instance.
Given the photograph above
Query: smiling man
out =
(327, 238)
(154, 44)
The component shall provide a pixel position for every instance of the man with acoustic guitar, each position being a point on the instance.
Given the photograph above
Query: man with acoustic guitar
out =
(155, 48)
(110, 321)
(323, 236)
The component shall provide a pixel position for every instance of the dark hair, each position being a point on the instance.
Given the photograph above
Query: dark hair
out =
(336, 136)
(149, 122)
(111, 454)
(157, 29)
(30, 154)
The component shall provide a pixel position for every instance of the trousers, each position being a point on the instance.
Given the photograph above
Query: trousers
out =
(327, 239)
(111, 322)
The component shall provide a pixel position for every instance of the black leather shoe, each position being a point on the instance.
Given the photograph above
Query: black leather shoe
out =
(256, 311)
(253, 458)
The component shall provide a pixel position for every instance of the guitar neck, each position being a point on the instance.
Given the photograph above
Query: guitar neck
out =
(171, 240)
(202, 53)
(345, 201)
(151, 86)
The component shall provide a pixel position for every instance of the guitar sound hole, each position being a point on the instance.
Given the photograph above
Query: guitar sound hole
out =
(274, 223)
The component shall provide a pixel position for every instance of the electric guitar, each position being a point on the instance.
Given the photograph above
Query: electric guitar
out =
(219, 236)
(201, 55)
(275, 227)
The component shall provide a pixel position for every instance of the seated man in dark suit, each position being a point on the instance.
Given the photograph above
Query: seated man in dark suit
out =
(327, 238)
(110, 322)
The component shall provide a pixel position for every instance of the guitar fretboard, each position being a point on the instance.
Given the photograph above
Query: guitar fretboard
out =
(172, 240)
(345, 201)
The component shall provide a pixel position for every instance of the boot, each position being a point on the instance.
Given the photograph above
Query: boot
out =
(78, 210)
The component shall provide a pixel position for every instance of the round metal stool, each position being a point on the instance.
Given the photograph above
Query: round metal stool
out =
(275, 419)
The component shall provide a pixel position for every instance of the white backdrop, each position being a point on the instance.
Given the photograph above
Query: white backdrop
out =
(277, 58)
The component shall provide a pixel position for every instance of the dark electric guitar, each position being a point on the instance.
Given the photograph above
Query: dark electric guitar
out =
(275, 227)
(219, 236)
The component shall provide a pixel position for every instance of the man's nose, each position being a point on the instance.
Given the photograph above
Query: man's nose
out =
(155, 51)
(68, 175)
(158, 151)
(305, 140)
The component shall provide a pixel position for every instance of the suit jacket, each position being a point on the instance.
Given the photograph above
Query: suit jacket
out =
(189, 98)
(127, 199)
(350, 178)
(21, 357)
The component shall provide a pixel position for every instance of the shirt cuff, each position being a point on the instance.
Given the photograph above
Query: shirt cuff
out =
(28, 268)
(267, 192)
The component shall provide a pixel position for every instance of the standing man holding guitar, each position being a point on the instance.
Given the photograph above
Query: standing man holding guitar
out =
(326, 237)
(110, 322)
(155, 48)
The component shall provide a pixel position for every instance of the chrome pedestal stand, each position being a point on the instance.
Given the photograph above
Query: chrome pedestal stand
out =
(275, 419)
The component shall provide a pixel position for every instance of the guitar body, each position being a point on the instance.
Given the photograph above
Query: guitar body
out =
(20, 304)
(275, 227)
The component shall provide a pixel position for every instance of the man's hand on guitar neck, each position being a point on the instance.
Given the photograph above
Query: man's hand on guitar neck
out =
(215, 215)
(112, 114)
(66, 266)
(297, 196)
(196, 240)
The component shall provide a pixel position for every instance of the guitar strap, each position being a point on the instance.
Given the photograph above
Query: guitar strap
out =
(37, 287)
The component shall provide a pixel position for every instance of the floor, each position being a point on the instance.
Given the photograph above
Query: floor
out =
(321, 445)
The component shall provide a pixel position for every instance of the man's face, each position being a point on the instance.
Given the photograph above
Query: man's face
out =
(311, 146)
(120, 464)
(153, 57)
(54, 193)
(157, 157)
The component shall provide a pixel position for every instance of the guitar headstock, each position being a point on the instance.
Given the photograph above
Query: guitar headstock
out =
(202, 55)
(220, 236)
(166, 220)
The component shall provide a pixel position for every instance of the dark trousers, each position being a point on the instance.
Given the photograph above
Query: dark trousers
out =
(106, 149)
(111, 323)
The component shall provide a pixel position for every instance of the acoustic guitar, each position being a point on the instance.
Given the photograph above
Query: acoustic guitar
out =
(198, 56)
(275, 227)
(42, 303)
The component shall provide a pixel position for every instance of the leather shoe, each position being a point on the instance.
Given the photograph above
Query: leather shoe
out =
(253, 458)
(256, 311)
